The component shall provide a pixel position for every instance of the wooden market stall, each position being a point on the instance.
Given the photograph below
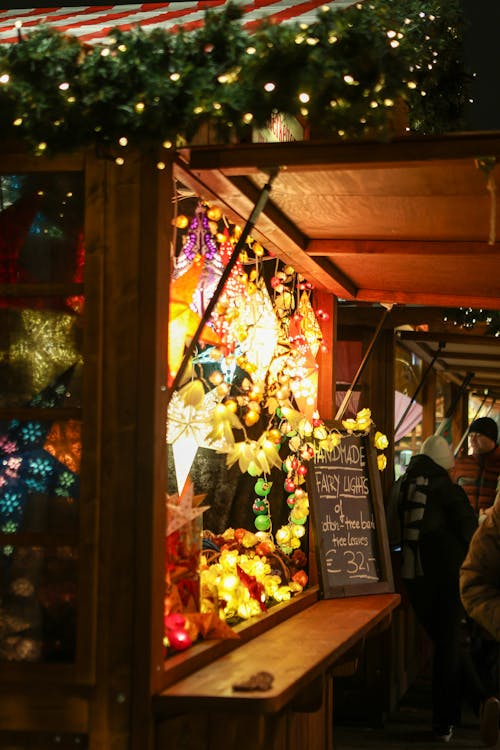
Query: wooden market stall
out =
(94, 683)
(381, 231)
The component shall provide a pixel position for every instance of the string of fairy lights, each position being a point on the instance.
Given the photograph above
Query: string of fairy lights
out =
(351, 72)
(469, 317)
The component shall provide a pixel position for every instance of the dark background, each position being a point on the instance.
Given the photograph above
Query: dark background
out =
(482, 57)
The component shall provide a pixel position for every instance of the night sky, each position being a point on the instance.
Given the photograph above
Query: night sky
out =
(482, 56)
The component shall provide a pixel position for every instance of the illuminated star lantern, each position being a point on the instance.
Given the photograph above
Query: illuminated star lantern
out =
(305, 339)
(183, 508)
(187, 430)
(64, 442)
(183, 321)
(45, 345)
(201, 244)
(227, 308)
(309, 324)
(260, 327)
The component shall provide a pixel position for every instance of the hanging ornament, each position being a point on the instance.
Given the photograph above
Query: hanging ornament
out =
(261, 508)
(227, 309)
(201, 245)
(188, 427)
(183, 320)
(182, 508)
(258, 320)
(302, 366)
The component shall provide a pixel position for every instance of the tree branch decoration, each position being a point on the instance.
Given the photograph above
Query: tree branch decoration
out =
(348, 72)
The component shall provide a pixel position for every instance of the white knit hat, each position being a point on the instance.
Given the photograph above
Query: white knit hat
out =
(437, 448)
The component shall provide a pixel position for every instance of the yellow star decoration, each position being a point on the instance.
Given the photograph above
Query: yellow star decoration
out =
(44, 345)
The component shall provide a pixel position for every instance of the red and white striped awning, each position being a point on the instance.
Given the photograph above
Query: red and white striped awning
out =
(93, 24)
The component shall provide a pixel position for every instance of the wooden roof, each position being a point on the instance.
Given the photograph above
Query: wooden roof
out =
(408, 222)
(458, 355)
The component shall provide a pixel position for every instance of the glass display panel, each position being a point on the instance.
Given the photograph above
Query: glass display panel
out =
(38, 589)
(41, 363)
(41, 228)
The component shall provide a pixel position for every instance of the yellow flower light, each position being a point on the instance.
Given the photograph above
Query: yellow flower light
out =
(381, 461)
(364, 419)
(381, 441)
(283, 535)
(283, 594)
(349, 424)
(330, 441)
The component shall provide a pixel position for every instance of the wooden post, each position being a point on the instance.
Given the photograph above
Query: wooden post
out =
(326, 359)
(133, 219)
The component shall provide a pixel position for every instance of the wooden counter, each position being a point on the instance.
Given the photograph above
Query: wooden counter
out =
(295, 652)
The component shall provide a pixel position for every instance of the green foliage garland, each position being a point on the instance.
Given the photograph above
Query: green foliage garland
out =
(344, 75)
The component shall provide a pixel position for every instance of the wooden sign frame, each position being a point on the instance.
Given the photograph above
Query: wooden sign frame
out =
(346, 570)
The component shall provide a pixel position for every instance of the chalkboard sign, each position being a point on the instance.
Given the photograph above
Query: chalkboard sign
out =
(347, 510)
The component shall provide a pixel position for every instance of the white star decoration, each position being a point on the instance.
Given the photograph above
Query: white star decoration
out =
(183, 508)
(187, 430)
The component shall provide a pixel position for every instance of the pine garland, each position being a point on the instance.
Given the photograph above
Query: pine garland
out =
(344, 75)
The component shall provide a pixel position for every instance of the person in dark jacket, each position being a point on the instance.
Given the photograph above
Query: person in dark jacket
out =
(478, 474)
(478, 471)
(437, 524)
(480, 592)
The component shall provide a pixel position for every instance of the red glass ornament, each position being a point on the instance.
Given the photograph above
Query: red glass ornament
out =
(179, 639)
(174, 621)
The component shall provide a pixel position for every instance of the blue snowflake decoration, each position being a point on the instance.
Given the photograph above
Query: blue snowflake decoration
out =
(26, 467)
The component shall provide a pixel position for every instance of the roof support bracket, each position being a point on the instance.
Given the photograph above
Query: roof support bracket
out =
(421, 383)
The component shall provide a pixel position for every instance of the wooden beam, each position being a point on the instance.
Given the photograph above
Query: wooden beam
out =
(277, 218)
(451, 338)
(364, 313)
(474, 357)
(407, 150)
(425, 298)
(479, 371)
(481, 382)
(334, 247)
(273, 230)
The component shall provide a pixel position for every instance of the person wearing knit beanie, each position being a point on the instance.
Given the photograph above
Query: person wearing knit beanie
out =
(437, 448)
(478, 472)
(485, 426)
(437, 524)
